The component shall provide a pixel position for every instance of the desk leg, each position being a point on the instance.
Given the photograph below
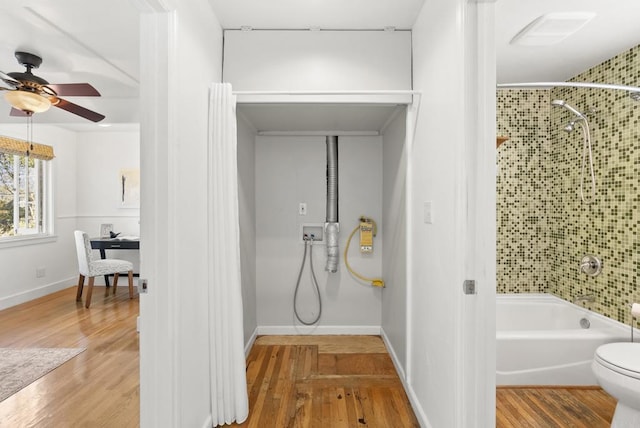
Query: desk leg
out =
(103, 256)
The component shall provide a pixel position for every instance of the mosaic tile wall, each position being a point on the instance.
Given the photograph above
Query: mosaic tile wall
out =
(544, 228)
(522, 191)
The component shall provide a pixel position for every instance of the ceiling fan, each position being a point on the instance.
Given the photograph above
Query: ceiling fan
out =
(28, 93)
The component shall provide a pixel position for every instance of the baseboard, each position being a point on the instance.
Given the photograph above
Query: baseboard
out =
(411, 394)
(249, 344)
(26, 296)
(367, 330)
(392, 353)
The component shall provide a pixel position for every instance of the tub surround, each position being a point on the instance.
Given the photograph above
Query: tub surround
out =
(544, 229)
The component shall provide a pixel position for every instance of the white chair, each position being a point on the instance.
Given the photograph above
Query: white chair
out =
(92, 267)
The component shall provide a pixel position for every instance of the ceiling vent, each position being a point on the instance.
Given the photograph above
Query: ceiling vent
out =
(552, 28)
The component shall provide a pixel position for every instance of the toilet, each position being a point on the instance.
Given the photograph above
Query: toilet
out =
(617, 368)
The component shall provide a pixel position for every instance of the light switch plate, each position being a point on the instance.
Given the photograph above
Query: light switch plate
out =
(428, 212)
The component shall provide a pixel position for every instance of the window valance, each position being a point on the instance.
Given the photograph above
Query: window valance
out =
(18, 147)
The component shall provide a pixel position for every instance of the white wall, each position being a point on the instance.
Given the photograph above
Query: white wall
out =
(290, 170)
(247, 210)
(85, 191)
(199, 52)
(317, 60)
(19, 283)
(394, 264)
(179, 45)
(445, 350)
(100, 156)
(436, 254)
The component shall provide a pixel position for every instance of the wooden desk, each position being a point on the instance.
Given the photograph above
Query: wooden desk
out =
(103, 244)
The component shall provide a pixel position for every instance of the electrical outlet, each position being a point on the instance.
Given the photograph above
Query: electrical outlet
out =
(302, 208)
(41, 272)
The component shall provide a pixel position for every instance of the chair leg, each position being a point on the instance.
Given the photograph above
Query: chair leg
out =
(115, 282)
(89, 291)
(80, 287)
(131, 284)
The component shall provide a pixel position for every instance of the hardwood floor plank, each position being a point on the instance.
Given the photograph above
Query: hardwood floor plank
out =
(100, 386)
(549, 406)
(343, 344)
(310, 388)
(372, 364)
(300, 377)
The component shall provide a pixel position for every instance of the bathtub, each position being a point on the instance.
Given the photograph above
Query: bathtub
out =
(539, 340)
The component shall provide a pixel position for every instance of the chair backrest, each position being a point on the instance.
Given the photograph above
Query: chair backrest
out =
(83, 248)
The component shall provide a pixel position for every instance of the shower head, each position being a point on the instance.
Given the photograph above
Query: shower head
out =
(563, 103)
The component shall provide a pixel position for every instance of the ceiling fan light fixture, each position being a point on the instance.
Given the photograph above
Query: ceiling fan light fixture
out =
(27, 101)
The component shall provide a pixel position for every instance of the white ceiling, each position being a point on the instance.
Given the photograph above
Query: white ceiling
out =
(97, 42)
(79, 41)
(325, 14)
(615, 28)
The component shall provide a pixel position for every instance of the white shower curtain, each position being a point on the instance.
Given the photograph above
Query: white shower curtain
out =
(229, 399)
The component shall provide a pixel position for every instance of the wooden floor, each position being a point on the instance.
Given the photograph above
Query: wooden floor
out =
(294, 381)
(561, 407)
(97, 388)
(324, 381)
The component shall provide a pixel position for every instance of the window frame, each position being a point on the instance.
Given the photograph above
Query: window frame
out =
(44, 218)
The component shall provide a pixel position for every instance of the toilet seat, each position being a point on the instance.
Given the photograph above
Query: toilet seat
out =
(623, 358)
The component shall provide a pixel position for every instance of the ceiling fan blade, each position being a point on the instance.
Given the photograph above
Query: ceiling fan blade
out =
(13, 83)
(74, 90)
(19, 113)
(79, 110)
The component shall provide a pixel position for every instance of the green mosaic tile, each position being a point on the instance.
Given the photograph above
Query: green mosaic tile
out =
(543, 227)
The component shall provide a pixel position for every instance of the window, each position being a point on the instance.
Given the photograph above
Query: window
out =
(24, 188)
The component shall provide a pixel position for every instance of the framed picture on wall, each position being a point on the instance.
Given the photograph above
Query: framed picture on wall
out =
(129, 188)
(105, 230)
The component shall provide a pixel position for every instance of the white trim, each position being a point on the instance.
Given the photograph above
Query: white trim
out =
(368, 330)
(24, 240)
(250, 342)
(320, 133)
(372, 92)
(485, 220)
(413, 400)
(159, 353)
(411, 120)
(327, 97)
(98, 216)
(392, 353)
(26, 296)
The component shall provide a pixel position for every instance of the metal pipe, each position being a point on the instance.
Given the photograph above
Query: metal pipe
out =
(332, 225)
(332, 179)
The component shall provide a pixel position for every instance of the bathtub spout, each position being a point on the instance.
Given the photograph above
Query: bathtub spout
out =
(584, 298)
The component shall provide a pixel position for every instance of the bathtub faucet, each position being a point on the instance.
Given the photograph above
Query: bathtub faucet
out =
(584, 298)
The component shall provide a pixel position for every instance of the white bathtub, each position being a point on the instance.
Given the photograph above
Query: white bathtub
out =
(540, 340)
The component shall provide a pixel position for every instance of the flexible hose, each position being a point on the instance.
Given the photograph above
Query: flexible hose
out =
(315, 283)
(376, 282)
(586, 135)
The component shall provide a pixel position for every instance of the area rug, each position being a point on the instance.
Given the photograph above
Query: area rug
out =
(20, 367)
